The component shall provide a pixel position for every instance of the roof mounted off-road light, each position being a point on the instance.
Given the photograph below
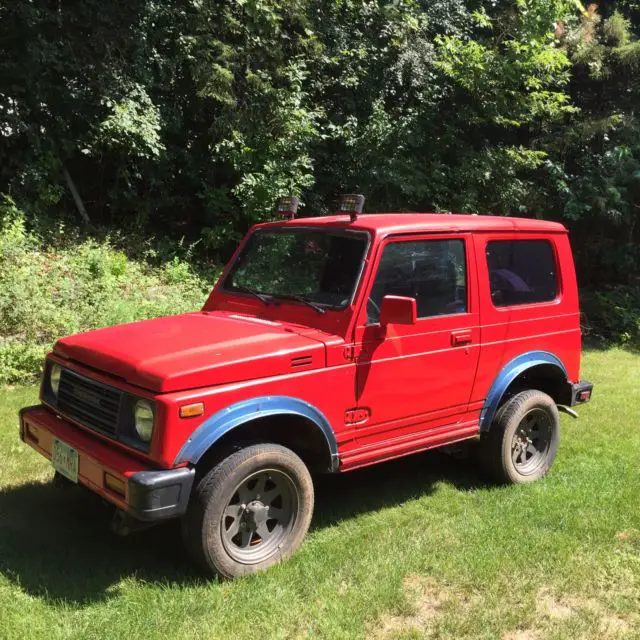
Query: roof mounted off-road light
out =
(287, 207)
(351, 203)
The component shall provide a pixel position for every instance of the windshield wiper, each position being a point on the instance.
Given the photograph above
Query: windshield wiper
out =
(263, 297)
(297, 298)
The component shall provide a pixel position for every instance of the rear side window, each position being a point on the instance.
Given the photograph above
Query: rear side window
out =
(521, 272)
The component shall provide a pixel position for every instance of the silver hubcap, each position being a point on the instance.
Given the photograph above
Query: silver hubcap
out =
(531, 442)
(259, 517)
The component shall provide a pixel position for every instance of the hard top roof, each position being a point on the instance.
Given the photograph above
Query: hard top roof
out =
(392, 223)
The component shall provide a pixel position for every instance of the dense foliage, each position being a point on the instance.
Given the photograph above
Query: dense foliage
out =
(187, 119)
(192, 116)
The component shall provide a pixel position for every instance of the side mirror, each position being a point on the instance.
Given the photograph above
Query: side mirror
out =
(398, 310)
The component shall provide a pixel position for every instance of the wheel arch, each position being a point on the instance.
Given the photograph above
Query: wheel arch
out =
(540, 370)
(283, 420)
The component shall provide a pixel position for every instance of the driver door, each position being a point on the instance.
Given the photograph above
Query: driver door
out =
(415, 381)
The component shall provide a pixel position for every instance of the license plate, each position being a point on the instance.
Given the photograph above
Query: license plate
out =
(65, 460)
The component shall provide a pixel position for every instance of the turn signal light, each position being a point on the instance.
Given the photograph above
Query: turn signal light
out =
(116, 485)
(192, 410)
(31, 434)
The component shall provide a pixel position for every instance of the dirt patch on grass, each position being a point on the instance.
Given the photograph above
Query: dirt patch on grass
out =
(609, 624)
(553, 610)
(548, 606)
(428, 600)
(613, 626)
(526, 634)
(426, 597)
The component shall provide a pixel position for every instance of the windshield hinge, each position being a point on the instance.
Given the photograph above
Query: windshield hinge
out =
(350, 352)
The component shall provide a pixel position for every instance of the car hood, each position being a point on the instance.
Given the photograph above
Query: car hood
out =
(194, 350)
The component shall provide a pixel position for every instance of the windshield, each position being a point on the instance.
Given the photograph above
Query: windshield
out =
(318, 266)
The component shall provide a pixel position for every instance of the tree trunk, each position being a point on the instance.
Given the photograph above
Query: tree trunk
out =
(76, 196)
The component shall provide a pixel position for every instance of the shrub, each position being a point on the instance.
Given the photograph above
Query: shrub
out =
(50, 288)
(20, 362)
(613, 315)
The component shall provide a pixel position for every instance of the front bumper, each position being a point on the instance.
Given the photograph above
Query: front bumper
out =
(147, 494)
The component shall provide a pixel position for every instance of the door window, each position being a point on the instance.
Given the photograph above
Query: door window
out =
(434, 272)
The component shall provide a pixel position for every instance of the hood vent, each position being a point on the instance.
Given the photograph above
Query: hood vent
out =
(298, 362)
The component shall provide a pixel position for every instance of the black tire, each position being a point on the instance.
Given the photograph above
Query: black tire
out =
(217, 509)
(523, 440)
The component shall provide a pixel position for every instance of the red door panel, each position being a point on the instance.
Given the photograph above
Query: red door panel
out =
(415, 380)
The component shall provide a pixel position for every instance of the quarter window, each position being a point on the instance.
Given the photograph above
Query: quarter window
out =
(433, 272)
(521, 272)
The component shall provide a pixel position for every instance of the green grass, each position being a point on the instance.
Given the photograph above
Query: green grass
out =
(420, 547)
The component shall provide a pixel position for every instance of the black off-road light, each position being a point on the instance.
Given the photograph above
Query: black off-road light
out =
(287, 207)
(351, 203)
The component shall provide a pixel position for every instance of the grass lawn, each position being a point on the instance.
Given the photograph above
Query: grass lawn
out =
(420, 547)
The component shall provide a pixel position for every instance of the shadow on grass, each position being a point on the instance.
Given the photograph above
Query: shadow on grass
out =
(343, 496)
(56, 543)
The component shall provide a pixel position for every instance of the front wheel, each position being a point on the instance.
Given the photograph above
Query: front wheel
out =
(523, 440)
(250, 511)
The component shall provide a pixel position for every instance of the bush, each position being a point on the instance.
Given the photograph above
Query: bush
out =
(53, 288)
(613, 315)
(20, 362)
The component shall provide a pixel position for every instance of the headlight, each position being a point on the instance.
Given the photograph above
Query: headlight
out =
(144, 420)
(54, 378)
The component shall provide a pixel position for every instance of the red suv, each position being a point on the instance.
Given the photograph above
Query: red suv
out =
(328, 344)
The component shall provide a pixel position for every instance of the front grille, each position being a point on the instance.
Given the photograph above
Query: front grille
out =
(90, 403)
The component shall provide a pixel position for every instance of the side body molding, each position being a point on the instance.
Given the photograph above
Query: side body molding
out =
(237, 414)
(508, 374)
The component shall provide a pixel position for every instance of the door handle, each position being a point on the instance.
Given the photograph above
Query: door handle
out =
(458, 338)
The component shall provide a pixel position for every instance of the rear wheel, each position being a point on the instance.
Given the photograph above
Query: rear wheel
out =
(249, 511)
(523, 440)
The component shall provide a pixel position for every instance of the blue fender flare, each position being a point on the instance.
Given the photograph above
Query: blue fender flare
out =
(508, 374)
(235, 415)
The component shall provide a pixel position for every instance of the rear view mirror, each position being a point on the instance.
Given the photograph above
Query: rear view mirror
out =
(398, 310)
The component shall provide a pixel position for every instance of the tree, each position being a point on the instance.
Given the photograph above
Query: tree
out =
(191, 117)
